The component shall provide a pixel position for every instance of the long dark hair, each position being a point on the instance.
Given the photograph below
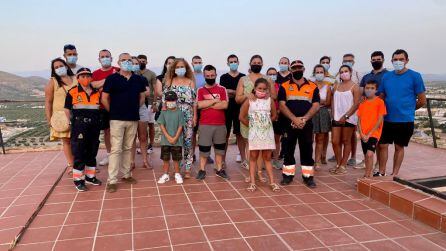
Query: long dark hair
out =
(164, 66)
(53, 71)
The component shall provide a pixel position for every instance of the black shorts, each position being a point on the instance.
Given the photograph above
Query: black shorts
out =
(105, 119)
(232, 120)
(370, 145)
(337, 124)
(175, 151)
(398, 133)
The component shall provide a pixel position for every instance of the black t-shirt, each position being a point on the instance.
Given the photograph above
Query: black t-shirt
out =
(230, 82)
(124, 96)
(280, 80)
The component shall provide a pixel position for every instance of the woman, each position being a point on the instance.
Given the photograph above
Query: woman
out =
(278, 132)
(158, 92)
(243, 92)
(345, 102)
(180, 79)
(322, 119)
(143, 122)
(61, 81)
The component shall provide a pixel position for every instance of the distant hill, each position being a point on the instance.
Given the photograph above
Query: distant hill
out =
(13, 87)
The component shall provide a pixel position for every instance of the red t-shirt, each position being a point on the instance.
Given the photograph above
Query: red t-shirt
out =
(99, 74)
(211, 116)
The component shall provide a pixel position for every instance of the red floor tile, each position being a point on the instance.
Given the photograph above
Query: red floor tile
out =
(256, 228)
(302, 240)
(78, 231)
(230, 245)
(270, 242)
(151, 239)
(299, 210)
(206, 206)
(116, 214)
(115, 227)
(285, 225)
(332, 237)
(234, 204)
(78, 244)
(35, 247)
(186, 235)
(114, 243)
(325, 208)
(392, 230)
(192, 247)
(369, 216)
(82, 217)
(143, 212)
(363, 233)
(416, 243)
(221, 232)
(271, 212)
(342, 219)
(243, 215)
(179, 221)
(148, 224)
(314, 222)
(214, 218)
(40, 235)
(382, 245)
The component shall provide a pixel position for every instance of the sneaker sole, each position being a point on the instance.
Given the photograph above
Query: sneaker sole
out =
(94, 184)
(80, 190)
(226, 178)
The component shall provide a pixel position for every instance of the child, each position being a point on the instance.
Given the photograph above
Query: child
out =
(261, 112)
(370, 113)
(171, 123)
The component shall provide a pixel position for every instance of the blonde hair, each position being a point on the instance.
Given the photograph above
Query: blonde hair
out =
(170, 74)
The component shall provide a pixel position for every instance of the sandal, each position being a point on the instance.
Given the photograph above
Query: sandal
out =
(274, 187)
(247, 179)
(244, 165)
(147, 166)
(252, 187)
(260, 177)
(333, 169)
(341, 170)
(70, 170)
(317, 166)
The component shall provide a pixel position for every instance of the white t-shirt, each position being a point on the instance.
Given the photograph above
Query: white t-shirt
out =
(75, 69)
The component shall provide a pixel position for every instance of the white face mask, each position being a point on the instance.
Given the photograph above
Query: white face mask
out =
(171, 105)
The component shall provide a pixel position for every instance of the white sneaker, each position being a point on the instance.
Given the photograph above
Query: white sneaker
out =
(178, 178)
(150, 150)
(104, 161)
(164, 178)
(238, 159)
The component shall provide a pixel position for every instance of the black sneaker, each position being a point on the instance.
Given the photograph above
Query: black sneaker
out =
(378, 174)
(286, 181)
(93, 181)
(201, 175)
(80, 186)
(210, 160)
(222, 174)
(310, 182)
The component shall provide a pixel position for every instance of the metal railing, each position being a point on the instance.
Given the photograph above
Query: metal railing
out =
(431, 122)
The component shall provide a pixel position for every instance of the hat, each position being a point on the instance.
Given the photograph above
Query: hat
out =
(296, 63)
(83, 70)
(170, 96)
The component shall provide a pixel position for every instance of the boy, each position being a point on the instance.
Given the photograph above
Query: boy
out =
(171, 123)
(370, 113)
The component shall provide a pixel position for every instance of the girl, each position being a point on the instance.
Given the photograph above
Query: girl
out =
(345, 102)
(278, 132)
(142, 126)
(261, 111)
(244, 90)
(180, 79)
(62, 80)
(322, 119)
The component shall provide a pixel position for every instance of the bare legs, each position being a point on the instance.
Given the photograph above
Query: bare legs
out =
(397, 158)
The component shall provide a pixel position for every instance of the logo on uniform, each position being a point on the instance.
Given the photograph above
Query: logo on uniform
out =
(80, 136)
(79, 98)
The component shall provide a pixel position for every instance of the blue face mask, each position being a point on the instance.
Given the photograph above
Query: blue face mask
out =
(106, 62)
(72, 59)
(135, 68)
(398, 65)
(233, 66)
(198, 67)
(326, 66)
(180, 72)
(319, 76)
(348, 64)
(283, 67)
(273, 77)
(61, 71)
(126, 66)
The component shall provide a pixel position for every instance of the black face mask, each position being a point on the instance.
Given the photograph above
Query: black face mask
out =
(142, 66)
(377, 65)
(298, 75)
(210, 81)
(256, 68)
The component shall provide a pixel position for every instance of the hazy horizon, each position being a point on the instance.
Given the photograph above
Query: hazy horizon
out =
(34, 32)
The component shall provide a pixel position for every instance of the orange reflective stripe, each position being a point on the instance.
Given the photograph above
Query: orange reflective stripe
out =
(289, 170)
(307, 171)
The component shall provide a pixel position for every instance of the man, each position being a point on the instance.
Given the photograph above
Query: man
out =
(403, 91)
(99, 76)
(197, 65)
(377, 61)
(212, 101)
(298, 102)
(230, 80)
(122, 96)
(150, 102)
(70, 55)
(82, 109)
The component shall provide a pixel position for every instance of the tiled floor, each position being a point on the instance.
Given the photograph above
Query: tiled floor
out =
(210, 215)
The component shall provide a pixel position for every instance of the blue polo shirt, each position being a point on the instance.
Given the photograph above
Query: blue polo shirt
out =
(199, 80)
(401, 92)
(373, 76)
(124, 96)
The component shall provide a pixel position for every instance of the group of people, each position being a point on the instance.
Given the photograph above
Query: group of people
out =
(268, 114)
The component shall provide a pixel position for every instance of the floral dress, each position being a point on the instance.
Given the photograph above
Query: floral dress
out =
(186, 101)
(248, 86)
(261, 133)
